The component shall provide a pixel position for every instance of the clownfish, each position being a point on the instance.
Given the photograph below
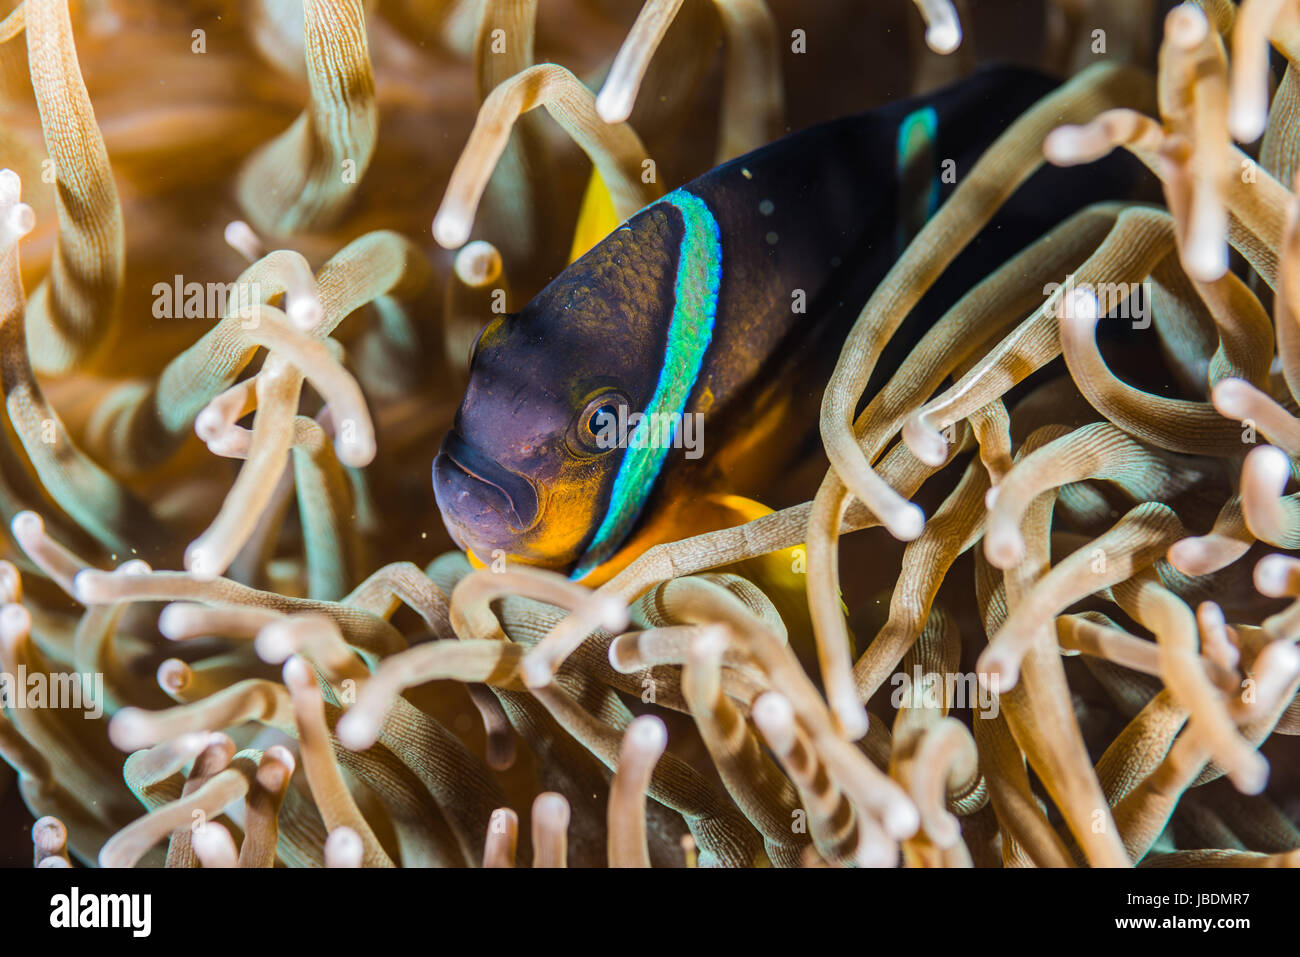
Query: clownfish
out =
(684, 355)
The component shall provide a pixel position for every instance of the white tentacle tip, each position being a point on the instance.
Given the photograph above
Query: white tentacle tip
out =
(1187, 25)
(49, 832)
(611, 613)
(997, 672)
(450, 230)
(907, 522)
(1285, 657)
(356, 731)
(274, 642)
(172, 620)
(875, 853)
(477, 263)
(648, 734)
(774, 716)
(305, 312)
(357, 452)
(343, 848)
(11, 186)
(281, 755)
(297, 675)
(551, 809)
(1082, 308)
(201, 563)
(1004, 547)
(15, 624)
(1189, 556)
(772, 709)
(1207, 259)
(1064, 145)
(622, 654)
(943, 36)
(1230, 397)
(19, 221)
(536, 672)
(925, 441)
(173, 675)
(129, 730)
(1271, 464)
(901, 819)
(209, 423)
(1247, 123)
(613, 104)
(88, 586)
(26, 524)
(851, 716)
(240, 237)
(213, 846)
(1252, 776)
(1273, 575)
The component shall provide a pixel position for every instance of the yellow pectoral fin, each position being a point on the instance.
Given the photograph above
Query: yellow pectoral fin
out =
(781, 575)
(596, 219)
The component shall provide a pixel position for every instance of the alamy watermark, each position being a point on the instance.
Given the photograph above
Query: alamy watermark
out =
(62, 690)
(179, 299)
(654, 430)
(930, 689)
(75, 910)
(1123, 300)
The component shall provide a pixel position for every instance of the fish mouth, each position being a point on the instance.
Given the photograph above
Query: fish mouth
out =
(466, 469)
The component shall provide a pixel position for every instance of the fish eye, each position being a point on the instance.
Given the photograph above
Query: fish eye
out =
(595, 427)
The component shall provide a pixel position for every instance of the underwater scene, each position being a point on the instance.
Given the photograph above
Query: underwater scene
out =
(649, 433)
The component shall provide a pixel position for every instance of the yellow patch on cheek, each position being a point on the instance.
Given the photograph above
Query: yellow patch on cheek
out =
(569, 516)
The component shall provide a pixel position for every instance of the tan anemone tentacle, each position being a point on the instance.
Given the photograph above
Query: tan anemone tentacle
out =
(1177, 638)
(765, 796)
(615, 150)
(141, 425)
(1014, 156)
(954, 527)
(327, 784)
(644, 741)
(832, 822)
(1040, 717)
(211, 761)
(305, 178)
(91, 497)
(74, 312)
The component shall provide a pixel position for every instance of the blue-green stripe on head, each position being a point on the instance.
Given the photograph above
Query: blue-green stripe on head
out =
(695, 307)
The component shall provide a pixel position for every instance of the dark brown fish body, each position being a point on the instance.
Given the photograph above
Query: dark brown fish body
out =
(717, 314)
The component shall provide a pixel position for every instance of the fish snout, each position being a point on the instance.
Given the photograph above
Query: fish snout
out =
(478, 494)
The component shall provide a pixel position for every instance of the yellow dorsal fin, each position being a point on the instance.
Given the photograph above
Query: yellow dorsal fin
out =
(596, 219)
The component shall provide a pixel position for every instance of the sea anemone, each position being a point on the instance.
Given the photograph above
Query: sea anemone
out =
(1075, 564)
